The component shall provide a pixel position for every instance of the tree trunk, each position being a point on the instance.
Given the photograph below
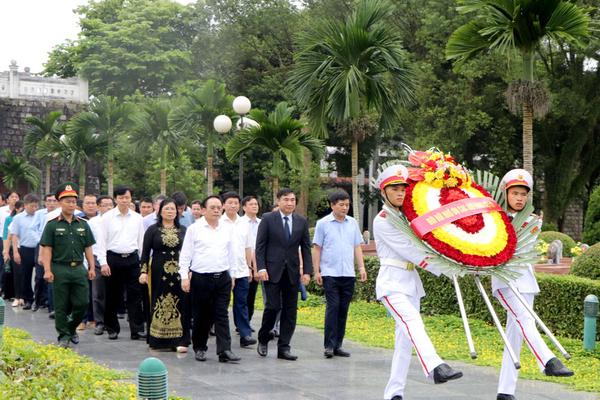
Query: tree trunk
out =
(275, 188)
(528, 137)
(163, 181)
(355, 197)
(302, 207)
(82, 177)
(48, 177)
(110, 170)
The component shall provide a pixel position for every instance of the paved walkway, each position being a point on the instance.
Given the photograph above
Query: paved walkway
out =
(361, 377)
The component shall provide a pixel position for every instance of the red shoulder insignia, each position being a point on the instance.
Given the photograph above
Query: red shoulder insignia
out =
(383, 214)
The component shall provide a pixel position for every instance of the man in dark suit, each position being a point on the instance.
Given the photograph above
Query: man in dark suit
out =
(279, 236)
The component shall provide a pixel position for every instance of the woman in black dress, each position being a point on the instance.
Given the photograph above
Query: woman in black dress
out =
(169, 327)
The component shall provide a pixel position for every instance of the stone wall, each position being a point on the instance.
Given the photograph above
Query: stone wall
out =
(13, 113)
(573, 219)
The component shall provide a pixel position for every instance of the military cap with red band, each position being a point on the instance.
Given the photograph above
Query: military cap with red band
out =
(393, 175)
(517, 177)
(67, 189)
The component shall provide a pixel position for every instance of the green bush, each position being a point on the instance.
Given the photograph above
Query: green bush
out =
(549, 226)
(559, 303)
(587, 265)
(591, 225)
(568, 243)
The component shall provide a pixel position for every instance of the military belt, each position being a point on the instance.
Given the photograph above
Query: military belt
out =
(397, 263)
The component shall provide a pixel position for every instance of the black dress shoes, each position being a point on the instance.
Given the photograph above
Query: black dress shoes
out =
(51, 315)
(113, 335)
(35, 307)
(554, 367)
(444, 373)
(262, 349)
(502, 396)
(99, 329)
(397, 397)
(228, 356)
(200, 355)
(75, 339)
(286, 355)
(27, 306)
(328, 353)
(247, 341)
(341, 353)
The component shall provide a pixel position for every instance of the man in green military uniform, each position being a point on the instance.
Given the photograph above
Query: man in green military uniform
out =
(64, 242)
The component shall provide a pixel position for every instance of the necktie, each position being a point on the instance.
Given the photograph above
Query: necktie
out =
(510, 217)
(288, 234)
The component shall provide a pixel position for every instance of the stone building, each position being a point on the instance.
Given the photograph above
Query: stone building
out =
(23, 95)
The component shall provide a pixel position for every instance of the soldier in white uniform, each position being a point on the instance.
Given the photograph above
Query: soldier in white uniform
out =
(519, 323)
(399, 288)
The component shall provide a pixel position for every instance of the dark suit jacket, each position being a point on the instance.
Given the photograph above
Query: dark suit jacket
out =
(276, 254)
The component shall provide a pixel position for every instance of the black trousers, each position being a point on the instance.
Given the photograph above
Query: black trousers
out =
(210, 302)
(40, 288)
(124, 273)
(23, 273)
(283, 296)
(338, 293)
(251, 298)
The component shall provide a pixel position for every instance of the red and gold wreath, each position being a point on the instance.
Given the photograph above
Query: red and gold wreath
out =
(455, 216)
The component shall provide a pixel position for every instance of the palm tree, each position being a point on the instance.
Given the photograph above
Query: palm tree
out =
(16, 169)
(281, 135)
(196, 115)
(79, 145)
(108, 118)
(346, 71)
(152, 128)
(41, 141)
(519, 26)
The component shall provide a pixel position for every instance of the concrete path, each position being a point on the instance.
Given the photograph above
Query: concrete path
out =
(361, 377)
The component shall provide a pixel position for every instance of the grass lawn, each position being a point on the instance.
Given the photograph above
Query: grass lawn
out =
(369, 324)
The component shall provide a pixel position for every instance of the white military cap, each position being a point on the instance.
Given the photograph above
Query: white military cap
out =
(517, 177)
(396, 174)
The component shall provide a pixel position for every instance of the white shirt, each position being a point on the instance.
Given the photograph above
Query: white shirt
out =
(206, 249)
(252, 229)
(394, 245)
(4, 212)
(149, 220)
(241, 231)
(526, 283)
(95, 224)
(122, 234)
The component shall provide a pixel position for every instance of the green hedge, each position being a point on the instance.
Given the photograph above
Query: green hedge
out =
(587, 265)
(559, 304)
(568, 243)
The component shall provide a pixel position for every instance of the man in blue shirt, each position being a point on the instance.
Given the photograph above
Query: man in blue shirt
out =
(336, 247)
(41, 291)
(24, 242)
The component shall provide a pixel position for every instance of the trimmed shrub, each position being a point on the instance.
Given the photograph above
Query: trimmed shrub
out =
(549, 226)
(587, 265)
(559, 303)
(591, 225)
(568, 243)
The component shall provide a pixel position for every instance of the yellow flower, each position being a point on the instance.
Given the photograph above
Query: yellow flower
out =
(429, 176)
(439, 174)
(451, 182)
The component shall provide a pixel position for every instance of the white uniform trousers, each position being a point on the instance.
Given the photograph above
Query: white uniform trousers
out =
(519, 325)
(410, 333)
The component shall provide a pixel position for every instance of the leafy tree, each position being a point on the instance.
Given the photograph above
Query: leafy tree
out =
(281, 135)
(42, 141)
(520, 26)
(591, 230)
(152, 128)
(196, 114)
(108, 118)
(129, 45)
(346, 70)
(78, 147)
(16, 170)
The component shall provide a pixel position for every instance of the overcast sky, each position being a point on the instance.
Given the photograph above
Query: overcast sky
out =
(29, 29)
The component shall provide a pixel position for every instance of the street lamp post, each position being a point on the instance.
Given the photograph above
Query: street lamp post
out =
(241, 106)
(222, 124)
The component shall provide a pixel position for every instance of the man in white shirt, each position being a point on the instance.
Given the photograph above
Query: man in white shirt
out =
(208, 254)
(231, 204)
(150, 219)
(250, 206)
(119, 248)
(105, 204)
